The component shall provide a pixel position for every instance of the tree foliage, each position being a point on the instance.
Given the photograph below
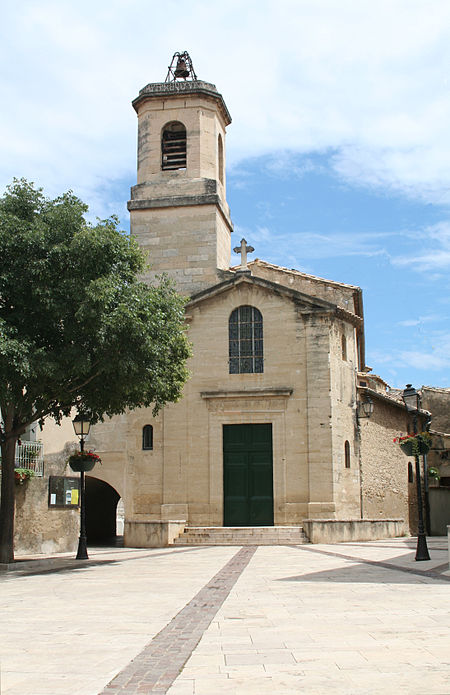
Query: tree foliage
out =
(77, 326)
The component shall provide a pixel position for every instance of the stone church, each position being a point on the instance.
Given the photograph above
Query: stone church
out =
(267, 432)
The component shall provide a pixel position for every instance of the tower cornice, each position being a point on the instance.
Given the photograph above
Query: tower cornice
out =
(167, 90)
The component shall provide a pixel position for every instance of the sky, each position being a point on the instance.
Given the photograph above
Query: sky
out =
(338, 156)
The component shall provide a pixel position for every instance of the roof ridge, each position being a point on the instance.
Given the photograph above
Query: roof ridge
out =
(443, 389)
(293, 271)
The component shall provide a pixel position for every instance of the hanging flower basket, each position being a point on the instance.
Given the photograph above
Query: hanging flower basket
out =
(415, 444)
(83, 461)
(22, 475)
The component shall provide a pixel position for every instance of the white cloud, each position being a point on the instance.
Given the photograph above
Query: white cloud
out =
(417, 359)
(420, 320)
(369, 81)
(409, 322)
(433, 250)
(430, 354)
(270, 241)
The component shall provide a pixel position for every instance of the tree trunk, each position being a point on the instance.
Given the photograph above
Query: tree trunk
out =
(8, 448)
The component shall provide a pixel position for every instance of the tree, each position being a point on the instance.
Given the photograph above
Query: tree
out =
(77, 326)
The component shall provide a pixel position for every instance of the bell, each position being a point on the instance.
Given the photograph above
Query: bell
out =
(181, 69)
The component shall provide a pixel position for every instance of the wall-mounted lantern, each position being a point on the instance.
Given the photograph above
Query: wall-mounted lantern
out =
(364, 408)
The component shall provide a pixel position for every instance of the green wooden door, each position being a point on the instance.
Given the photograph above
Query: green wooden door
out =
(247, 475)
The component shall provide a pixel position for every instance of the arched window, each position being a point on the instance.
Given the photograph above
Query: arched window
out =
(147, 437)
(173, 146)
(347, 454)
(344, 347)
(220, 157)
(410, 473)
(245, 332)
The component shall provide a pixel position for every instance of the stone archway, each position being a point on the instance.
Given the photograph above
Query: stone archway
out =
(101, 507)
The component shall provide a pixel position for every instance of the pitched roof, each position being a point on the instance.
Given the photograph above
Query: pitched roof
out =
(310, 303)
(293, 271)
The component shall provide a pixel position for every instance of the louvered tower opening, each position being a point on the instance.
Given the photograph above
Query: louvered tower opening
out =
(173, 146)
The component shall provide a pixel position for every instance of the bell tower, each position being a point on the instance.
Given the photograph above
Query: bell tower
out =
(178, 208)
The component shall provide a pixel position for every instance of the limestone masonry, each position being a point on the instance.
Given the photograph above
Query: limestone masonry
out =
(270, 429)
(267, 430)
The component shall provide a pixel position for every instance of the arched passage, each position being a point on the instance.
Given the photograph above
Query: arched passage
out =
(101, 506)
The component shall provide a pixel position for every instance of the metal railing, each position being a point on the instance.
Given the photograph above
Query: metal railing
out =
(30, 455)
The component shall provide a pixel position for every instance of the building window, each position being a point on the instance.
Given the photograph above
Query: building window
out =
(344, 347)
(220, 157)
(410, 473)
(245, 331)
(147, 437)
(347, 454)
(173, 146)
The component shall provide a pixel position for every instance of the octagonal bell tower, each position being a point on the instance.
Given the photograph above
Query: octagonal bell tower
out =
(178, 208)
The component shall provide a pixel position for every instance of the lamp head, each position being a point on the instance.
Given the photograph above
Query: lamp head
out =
(365, 407)
(81, 425)
(368, 406)
(411, 398)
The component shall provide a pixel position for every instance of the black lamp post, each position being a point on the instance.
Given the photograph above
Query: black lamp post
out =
(411, 398)
(82, 425)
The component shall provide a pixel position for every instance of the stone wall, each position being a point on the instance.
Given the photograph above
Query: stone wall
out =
(345, 531)
(38, 527)
(384, 467)
(437, 401)
(344, 296)
(182, 476)
(440, 510)
(343, 365)
(152, 534)
(180, 217)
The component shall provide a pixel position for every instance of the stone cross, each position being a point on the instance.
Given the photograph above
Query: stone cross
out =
(243, 249)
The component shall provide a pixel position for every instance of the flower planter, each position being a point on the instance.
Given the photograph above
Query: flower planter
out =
(78, 466)
(83, 463)
(22, 476)
(408, 446)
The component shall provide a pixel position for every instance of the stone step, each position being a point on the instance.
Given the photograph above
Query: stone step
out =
(242, 535)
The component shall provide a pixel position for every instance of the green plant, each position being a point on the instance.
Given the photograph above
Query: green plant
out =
(433, 472)
(83, 456)
(81, 329)
(22, 474)
(414, 444)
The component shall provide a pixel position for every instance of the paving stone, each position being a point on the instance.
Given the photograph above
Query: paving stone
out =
(353, 619)
(175, 639)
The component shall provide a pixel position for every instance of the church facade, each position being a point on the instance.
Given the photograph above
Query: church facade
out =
(267, 431)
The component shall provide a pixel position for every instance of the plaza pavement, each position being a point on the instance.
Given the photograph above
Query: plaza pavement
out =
(353, 619)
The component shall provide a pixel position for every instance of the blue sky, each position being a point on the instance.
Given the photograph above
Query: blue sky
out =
(317, 223)
(338, 157)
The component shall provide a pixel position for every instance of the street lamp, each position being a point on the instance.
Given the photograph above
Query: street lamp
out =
(365, 408)
(411, 399)
(81, 425)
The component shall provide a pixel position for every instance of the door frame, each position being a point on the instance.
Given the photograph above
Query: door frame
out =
(255, 409)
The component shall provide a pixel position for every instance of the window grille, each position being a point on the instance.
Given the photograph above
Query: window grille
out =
(173, 146)
(246, 341)
(29, 455)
